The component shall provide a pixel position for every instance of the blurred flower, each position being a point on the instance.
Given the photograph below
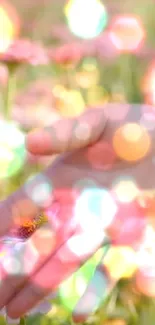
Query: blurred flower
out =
(66, 54)
(24, 51)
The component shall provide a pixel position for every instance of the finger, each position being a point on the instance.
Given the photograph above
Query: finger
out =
(57, 269)
(61, 222)
(61, 267)
(25, 258)
(28, 202)
(67, 134)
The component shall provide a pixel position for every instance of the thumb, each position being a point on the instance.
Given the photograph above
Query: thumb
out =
(67, 134)
(29, 201)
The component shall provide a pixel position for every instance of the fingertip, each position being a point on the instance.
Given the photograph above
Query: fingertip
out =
(39, 142)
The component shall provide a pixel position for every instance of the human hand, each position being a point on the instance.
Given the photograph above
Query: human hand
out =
(128, 154)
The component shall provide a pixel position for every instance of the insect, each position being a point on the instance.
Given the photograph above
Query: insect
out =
(30, 226)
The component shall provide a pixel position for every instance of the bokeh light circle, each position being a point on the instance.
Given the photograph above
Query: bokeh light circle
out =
(86, 19)
(85, 243)
(39, 189)
(20, 258)
(12, 150)
(131, 142)
(146, 251)
(10, 25)
(125, 189)
(121, 262)
(12, 265)
(127, 33)
(98, 207)
(83, 131)
(70, 102)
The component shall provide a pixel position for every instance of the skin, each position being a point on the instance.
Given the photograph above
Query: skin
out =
(20, 294)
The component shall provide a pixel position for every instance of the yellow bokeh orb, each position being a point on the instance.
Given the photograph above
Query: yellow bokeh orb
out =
(10, 24)
(125, 190)
(69, 102)
(131, 142)
(121, 262)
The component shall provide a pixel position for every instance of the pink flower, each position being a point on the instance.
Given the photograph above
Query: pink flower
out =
(66, 54)
(24, 51)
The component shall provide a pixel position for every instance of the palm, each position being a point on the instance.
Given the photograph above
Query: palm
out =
(100, 165)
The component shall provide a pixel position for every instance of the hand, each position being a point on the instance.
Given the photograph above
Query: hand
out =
(100, 155)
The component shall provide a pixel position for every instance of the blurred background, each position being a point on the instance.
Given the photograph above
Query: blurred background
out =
(60, 58)
(101, 51)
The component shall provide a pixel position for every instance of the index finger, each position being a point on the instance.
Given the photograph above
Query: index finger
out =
(68, 134)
